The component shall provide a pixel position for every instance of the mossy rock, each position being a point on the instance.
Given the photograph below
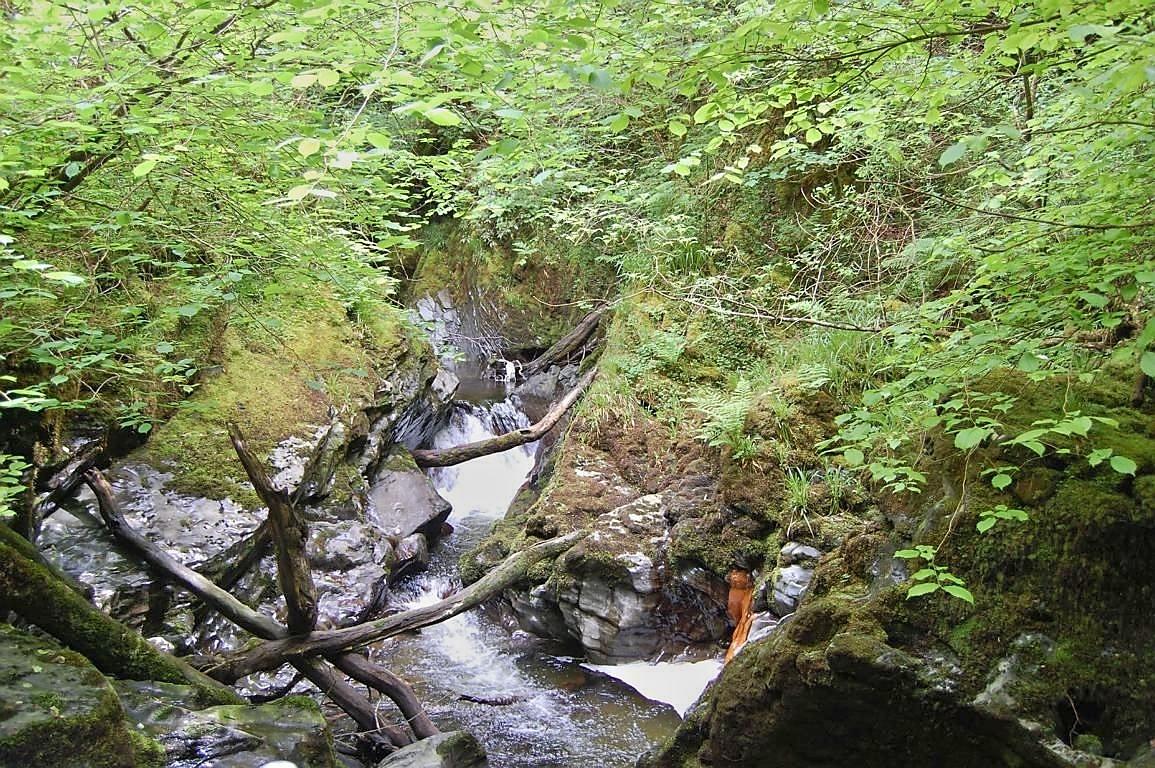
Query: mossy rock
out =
(57, 710)
(284, 366)
(238, 736)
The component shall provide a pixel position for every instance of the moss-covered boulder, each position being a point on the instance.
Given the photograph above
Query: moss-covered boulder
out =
(230, 736)
(1050, 667)
(456, 749)
(57, 710)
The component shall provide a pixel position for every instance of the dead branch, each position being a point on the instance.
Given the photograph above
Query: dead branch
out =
(447, 457)
(273, 654)
(290, 534)
(569, 345)
(352, 702)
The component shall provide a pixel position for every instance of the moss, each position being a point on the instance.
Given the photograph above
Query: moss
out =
(149, 752)
(283, 366)
(65, 712)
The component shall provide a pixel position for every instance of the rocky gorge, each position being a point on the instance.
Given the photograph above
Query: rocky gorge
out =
(674, 532)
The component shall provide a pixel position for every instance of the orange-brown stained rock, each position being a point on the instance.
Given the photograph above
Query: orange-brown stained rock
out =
(738, 608)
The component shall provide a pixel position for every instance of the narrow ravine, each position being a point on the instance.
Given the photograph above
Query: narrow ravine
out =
(542, 708)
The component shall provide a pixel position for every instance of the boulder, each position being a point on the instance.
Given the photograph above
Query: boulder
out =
(402, 500)
(57, 710)
(412, 556)
(791, 583)
(456, 749)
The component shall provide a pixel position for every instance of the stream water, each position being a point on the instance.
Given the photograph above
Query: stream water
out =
(543, 708)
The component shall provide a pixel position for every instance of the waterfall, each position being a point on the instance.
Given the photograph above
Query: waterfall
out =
(484, 486)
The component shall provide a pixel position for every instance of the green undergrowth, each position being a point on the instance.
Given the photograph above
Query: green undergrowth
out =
(530, 290)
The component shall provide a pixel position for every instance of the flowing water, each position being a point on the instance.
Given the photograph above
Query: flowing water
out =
(542, 709)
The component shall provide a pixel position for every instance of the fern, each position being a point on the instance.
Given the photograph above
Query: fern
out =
(725, 416)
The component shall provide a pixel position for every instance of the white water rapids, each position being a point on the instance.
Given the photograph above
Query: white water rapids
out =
(543, 708)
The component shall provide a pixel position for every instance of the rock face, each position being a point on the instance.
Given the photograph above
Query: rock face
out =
(456, 749)
(637, 587)
(57, 710)
(1049, 669)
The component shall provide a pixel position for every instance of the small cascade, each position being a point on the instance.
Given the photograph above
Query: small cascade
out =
(484, 486)
(529, 707)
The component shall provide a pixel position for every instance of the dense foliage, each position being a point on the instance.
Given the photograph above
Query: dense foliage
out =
(937, 189)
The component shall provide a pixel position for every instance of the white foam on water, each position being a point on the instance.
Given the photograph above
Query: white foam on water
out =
(677, 683)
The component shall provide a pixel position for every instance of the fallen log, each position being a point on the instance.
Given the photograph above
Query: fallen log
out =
(567, 346)
(273, 654)
(36, 594)
(447, 457)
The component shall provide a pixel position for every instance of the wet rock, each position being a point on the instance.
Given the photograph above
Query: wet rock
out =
(57, 710)
(796, 552)
(788, 588)
(550, 382)
(1030, 652)
(537, 612)
(403, 501)
(412, 556)
(456, 749)
(762, 625)
(238, 736)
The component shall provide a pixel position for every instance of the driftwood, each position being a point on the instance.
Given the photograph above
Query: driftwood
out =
(290, 533)
(354, 704)
(273, 654)
(447, 457)
(568, 346)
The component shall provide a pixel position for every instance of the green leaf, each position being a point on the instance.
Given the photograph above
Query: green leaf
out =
(922, 589)
(299, 192)
(303, 80)
(1123, 465)
(952, 154)
(163, 348)
(1147, 363)
(986, 524)
(705, 112)
(143, 168)
(962, 593)
(967, 439)
(1096, 300)
(923, 574)
(188, 310)
(1001, 480)
(907, 554)
(69, 278)
(677, 127)
(441, 116)
(327, 78)
(813, 135)
(854, 457)
(307, 147)
(620, 122)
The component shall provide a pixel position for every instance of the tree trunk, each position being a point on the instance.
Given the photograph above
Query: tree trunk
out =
(447, 457)
(569, 345)
(31, 590)
(290, 534)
